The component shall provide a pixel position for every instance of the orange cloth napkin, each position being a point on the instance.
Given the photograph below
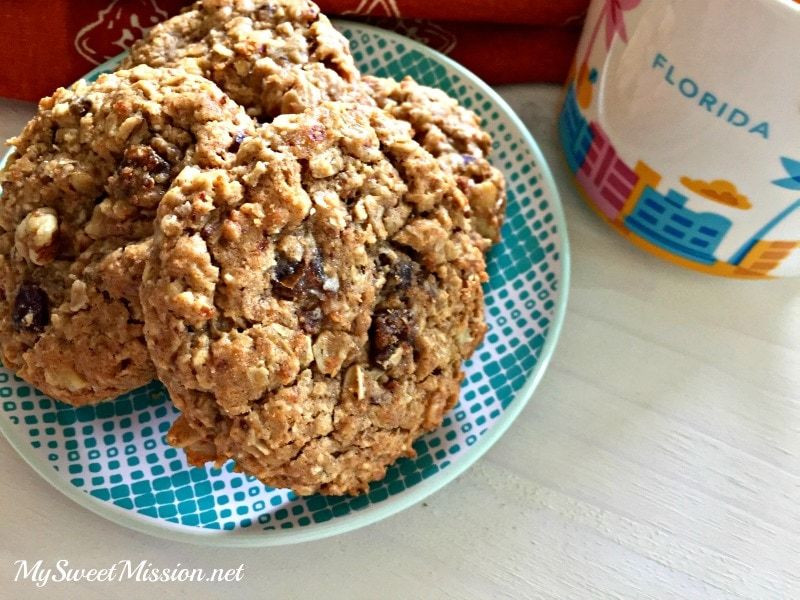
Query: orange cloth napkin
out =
(49, 43)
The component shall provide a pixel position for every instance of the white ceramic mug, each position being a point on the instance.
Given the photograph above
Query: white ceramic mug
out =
(681, 122)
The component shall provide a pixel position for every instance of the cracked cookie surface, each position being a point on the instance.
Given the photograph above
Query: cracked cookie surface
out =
(271, 56)
(310, 307)
(453, 134)
(76, 214)
(283, 56)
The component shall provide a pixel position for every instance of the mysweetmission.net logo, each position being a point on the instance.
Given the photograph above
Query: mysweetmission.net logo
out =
(42, 574)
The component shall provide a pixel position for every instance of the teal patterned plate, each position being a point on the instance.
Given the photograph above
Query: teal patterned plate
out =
(112, 458)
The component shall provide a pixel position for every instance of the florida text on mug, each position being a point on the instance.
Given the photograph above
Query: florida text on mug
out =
(685, 142)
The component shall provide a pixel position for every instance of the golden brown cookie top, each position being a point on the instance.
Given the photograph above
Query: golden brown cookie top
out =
(453, 134)
(310, 307)
(79, 195)
(271, 56)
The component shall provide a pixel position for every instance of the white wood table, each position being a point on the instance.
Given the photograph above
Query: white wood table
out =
(659, 458)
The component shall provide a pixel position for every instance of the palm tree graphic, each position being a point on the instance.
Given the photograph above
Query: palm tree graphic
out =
(612, 15)
(792, 182)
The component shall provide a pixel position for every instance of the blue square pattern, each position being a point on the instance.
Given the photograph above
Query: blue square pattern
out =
(117, 453)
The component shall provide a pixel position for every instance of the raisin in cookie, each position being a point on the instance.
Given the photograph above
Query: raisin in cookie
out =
(283, 56)
(453, 134)
(309, 308)
(271, 56)
(79, 196)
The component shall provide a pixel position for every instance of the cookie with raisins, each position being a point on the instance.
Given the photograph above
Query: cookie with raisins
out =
(76, 216)
(310, 307)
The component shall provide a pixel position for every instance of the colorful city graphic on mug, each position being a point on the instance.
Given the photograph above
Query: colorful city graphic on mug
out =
(627, 194)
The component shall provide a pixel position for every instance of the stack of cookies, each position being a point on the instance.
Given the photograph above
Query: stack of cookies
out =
(295, 250)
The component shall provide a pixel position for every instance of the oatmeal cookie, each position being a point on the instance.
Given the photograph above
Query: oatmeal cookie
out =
(271, 56)
(283, 56)
(79, 196)
(453, 134)
(309, 308)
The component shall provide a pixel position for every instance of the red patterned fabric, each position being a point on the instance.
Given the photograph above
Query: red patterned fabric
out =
(48, 43)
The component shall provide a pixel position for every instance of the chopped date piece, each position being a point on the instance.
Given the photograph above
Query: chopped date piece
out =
(31, 309)
(390, 329)
(80, 107)
(237, 141)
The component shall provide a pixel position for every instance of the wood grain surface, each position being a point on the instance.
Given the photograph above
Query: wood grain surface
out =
(659, 458)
